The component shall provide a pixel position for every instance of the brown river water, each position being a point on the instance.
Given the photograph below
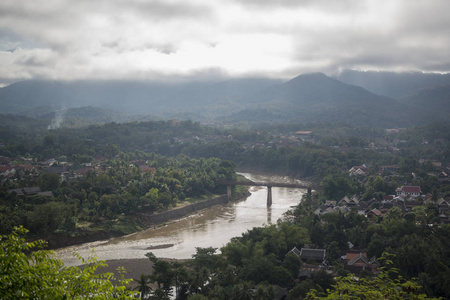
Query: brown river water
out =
(213, 227)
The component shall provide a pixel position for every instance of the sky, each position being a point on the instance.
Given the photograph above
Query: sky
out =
(207, 39)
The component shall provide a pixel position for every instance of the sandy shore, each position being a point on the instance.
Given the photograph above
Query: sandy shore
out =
(133, 267)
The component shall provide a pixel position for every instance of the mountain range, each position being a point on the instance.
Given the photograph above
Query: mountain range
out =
(359, 98)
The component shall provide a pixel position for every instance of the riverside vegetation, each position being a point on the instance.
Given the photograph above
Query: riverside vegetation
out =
(154, 166)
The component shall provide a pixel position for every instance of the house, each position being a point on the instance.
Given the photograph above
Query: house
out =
(343, 209)
(84, 171)
(413, 191)
(356, 262)
(409, 205)
(361, 207)
(26, 168)
(307, 269)
(374, 213)
(55, 170)
(358, 171)
(444, 218)
(326, 208)
(353, 201)
(306, 254)
(443, 177)
(443, 206)
(33, 190)
(48, 162)
(147, 168)
(7, 171)
(5, 161)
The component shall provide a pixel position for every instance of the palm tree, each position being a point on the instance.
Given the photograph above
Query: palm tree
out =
(143, 286)
(160, 294)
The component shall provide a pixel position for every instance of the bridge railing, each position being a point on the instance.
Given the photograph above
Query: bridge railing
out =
(272, 184)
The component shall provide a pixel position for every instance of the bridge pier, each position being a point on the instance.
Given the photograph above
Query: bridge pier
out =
(229, 192)
(269, 195)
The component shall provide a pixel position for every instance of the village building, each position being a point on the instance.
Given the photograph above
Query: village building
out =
(443, 178)
(356, 262)
(29, 191)
(7, 171)
(413, 191)
(358, 171)
(353, 201)
(308, 254)
(374, 213)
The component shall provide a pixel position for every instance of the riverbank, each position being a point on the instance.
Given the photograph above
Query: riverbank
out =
(140, 221)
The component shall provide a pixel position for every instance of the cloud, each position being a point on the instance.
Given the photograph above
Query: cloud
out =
(125, 39)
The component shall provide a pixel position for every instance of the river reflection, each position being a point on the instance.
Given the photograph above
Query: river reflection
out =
(212, 227)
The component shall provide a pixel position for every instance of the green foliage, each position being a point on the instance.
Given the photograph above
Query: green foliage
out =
(29, 274)
(386, 285)
(49, 181)
(50, 217)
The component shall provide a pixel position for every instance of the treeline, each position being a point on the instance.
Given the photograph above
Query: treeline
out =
(28, 137)
(108, 194)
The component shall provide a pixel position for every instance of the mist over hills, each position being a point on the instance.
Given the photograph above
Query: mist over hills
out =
(391, 84)
(305, 98)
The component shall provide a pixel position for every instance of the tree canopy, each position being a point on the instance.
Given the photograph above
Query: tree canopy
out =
(29, 273)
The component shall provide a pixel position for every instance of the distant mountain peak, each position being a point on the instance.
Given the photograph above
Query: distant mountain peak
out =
(316, 75)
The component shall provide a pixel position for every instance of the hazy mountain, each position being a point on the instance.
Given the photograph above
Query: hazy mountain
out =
(123, 96)
(86, 115)
(433, 103)
(306, 98)
(154, 98)
(395, 85)
(317, 97)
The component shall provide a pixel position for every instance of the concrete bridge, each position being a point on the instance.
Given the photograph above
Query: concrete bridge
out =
(269, 186)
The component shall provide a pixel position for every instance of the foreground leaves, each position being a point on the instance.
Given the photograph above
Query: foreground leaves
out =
(27, 274)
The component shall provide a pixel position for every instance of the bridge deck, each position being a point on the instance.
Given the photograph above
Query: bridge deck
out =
(271, 184)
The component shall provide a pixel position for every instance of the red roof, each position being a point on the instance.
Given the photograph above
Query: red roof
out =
(5, 168)
(351, 256)
(145, 168)
(84, 171)
(375, 211)
(411, 189)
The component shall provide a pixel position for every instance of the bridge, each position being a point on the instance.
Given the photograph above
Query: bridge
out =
(269, 186)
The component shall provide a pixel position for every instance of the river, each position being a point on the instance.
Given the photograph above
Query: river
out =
(212, 227)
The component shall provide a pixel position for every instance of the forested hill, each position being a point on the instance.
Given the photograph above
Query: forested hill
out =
(311, 97)
(306, 98)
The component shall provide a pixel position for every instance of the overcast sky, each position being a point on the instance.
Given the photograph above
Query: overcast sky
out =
(147, 39)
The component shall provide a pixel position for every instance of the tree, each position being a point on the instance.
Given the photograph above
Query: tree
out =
(162, 274)
(292, 263)
(49, 181)
(143, 286)
(29, 274)
(387, 285)
(205, 258)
